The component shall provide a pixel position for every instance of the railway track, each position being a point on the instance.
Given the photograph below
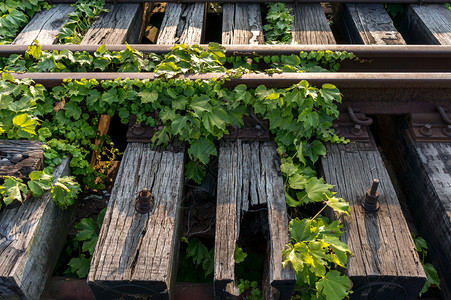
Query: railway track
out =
(402, 82)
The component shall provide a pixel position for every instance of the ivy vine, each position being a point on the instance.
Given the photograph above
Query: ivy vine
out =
(182, 59)
(279, 23)
(86, 12)
(198, 113)
(15, 14)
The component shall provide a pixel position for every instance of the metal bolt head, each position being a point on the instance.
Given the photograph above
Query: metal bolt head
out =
(357, 130)
(426, 130)
(137, 129)
(371, 200)
(144, 202)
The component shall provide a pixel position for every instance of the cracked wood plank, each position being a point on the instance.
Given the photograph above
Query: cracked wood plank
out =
(32, 153)
(31, 238)
(310, 26)
(248, 177)
(242, 24)
(369, 24)
(45, 26)
(121, 24)
(227, 217)
(136, 254)
(384, 252)
(428, 24)
(182, 24)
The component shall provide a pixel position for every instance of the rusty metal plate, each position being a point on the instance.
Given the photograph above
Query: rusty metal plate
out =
(429, 127)
(138, 132)
(345, 127)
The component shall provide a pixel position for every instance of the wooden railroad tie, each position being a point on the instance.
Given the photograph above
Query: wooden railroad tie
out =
(136, 254)
(31, 238)
(248, 179)
(424, 168)
(385, 264)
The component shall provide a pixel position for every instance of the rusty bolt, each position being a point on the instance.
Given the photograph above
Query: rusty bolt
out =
(144, 202)
(357, 130)
(426, 130)
(371, 200)
(447, 130)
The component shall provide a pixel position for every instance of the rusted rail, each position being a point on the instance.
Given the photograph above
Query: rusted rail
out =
(376, 93)
(263, 1)
(387, 58)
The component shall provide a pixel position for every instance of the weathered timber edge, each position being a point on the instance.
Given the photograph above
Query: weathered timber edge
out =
(34, 264)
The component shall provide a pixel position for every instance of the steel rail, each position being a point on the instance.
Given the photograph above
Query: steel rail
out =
(377, 93)
(359, 50)
(263, 1)
(376, 58)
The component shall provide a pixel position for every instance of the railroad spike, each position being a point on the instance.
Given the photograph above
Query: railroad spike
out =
(371, 200)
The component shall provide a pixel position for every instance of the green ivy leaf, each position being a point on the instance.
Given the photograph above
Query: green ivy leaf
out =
(90, 245)
(420, 243)
(432, 277)
(73, 110)
(239, 255)
(340, 250)
(13, 189)
(100, 217)
(39, 182)
(195, 171)
(297, 182)
(288, 168)
(291, 256)
(301, 230)
(197, 250)
(65, 191)
(216, 118)
(179, 126)
(334, 286)
(87, 229)
(209, 263)
(80, 265)
(201, 150)
(314, 190)
(330, 93)
(148, 96)
(314, 150)
(110, 96)
(26, 125)
(200, 104)
(338, 205)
